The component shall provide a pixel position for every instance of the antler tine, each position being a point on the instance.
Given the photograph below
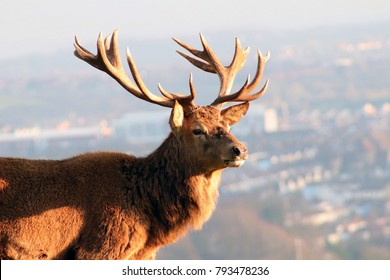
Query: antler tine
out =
(200, 54)
(108, 60)
(231, 71)
(243, 94)
(111, 49)
(182, 99)
(261, 60)
(208, 61)
(85, 55)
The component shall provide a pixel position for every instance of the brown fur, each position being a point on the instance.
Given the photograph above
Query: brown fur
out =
(116, 206)
(108, 205)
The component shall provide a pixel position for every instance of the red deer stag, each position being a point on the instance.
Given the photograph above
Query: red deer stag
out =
(108, 205)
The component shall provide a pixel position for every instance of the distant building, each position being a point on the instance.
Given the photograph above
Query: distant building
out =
(271, 121)
(369, 110)
(31, 141)
(146, 127)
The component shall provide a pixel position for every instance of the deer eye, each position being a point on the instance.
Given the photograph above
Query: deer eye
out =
(197, 132)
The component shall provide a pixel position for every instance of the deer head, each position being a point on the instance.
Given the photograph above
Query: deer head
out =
(204, 131)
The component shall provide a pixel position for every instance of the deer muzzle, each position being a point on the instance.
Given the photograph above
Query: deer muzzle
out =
(239, 155)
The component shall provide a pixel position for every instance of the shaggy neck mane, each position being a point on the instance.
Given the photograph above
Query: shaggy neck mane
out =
(181, 193)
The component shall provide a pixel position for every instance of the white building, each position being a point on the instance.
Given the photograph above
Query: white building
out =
(146, 127)
(271, 121)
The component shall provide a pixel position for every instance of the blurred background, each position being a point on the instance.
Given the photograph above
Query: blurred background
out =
(317, 182)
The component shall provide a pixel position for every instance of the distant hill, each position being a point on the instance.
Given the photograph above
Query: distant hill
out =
(239, 232)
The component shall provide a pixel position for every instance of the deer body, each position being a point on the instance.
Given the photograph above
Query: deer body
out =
(108, 205)
(139, 204)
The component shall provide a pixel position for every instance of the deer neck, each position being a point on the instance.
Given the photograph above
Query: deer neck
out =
(176, 158)
(184, 176)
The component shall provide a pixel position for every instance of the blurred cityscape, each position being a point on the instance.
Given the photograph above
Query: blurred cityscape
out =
(317, 181)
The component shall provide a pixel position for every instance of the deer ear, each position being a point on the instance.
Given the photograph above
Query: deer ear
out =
(234, 114)
(176, 119)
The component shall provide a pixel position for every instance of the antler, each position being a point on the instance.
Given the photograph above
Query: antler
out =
(108, 60)
(209, 62)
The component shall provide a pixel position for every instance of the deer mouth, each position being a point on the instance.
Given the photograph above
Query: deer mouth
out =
(234, 163)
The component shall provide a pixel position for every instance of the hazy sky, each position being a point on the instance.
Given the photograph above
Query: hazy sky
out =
(29, 26)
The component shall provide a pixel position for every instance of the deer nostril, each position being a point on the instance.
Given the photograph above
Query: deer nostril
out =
(236, 151)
